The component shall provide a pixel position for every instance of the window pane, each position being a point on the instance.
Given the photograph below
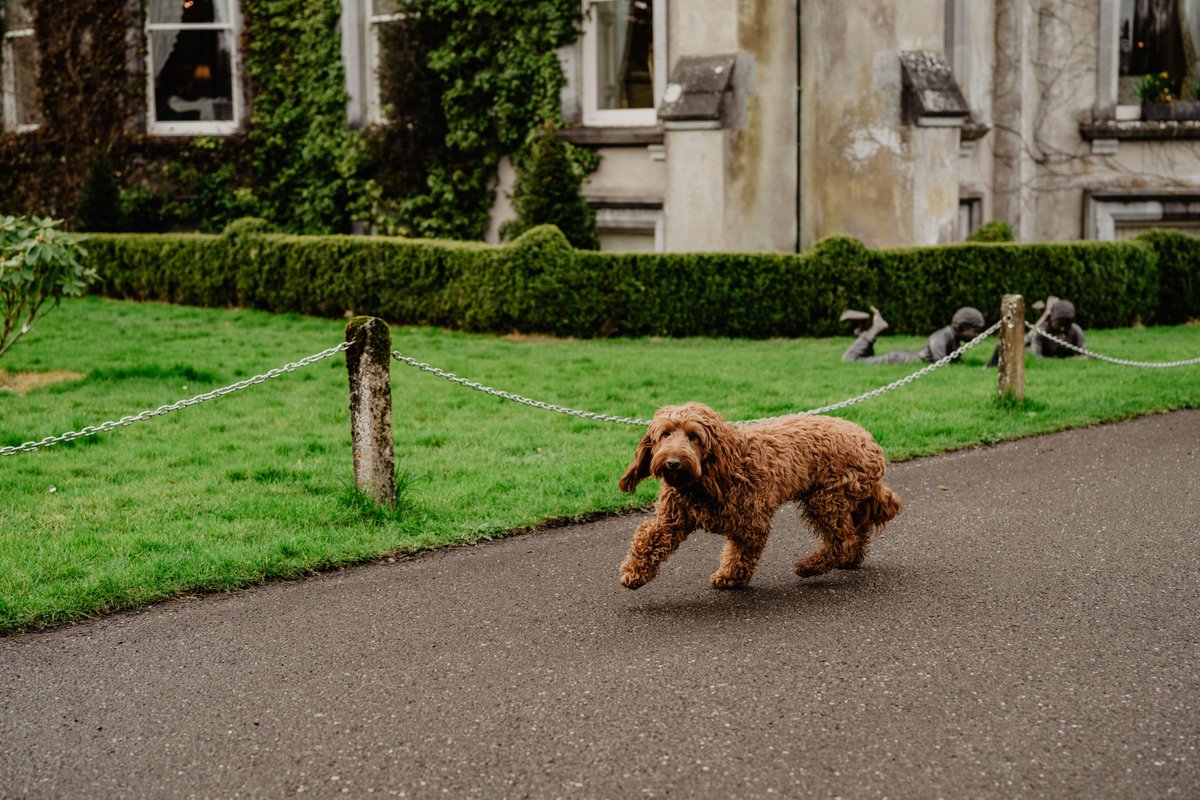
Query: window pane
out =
(1155, 37)
(188, 11)
(381, 8)
(193, 78)
(624, 54)
(17, 16)
(24, 70)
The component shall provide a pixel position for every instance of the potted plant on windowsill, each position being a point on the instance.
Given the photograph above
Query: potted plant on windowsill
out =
(1158, 102)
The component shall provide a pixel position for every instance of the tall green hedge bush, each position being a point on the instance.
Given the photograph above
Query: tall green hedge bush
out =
(538, 283)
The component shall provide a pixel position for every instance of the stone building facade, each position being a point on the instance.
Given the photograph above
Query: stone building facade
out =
(745, 125)
(742, 125)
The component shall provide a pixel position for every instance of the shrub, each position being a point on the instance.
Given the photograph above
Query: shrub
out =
(994, 231)
(547, 191)
(539, 283)
(248, 225)
(1178, 258)
(39, 265)
(100, 204)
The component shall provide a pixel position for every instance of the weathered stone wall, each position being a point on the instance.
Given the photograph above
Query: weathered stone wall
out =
(1032, 72)
(863, 172)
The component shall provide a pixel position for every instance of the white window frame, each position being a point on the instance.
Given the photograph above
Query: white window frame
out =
(375, 115)
(198, 127)
(632, 117)
(8, 82)
(360, 59)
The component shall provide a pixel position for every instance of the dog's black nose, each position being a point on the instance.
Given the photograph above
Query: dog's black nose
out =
(674, 463)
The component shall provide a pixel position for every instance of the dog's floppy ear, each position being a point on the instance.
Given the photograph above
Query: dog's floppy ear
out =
(721, 459)
(639, 469)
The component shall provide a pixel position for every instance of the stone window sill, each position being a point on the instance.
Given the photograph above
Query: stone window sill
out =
(1145, 130)
(602, 136)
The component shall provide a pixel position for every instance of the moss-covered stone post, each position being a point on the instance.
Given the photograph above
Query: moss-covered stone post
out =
(368, 360)
(1012, 347)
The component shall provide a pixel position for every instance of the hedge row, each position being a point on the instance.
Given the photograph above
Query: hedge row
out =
(540, 284)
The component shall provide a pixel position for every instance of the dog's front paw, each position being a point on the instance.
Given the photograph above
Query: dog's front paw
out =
(722, 581)
(632, 581)
(632, 578)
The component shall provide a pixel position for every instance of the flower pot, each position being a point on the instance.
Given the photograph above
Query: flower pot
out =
(1178, 110)
(1128, 113)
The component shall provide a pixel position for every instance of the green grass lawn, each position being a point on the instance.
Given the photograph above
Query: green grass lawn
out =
(258, 485)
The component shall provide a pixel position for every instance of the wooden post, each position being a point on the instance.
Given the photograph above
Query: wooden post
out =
(1012, 347)
(368, 360)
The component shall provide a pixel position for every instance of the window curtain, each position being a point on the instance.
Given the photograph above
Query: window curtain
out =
(173, 12)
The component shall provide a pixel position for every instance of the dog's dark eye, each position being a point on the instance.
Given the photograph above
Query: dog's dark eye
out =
(693, 436)
(664, 434)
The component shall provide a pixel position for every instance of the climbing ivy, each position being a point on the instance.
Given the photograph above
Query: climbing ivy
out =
(86, 95)
(493, 74)
(306, 162)
(467, 80)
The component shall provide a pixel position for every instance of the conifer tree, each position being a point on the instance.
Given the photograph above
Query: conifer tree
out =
(100, 203)
(547, 191)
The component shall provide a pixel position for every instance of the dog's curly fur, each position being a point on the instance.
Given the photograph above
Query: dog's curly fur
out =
(730, 481)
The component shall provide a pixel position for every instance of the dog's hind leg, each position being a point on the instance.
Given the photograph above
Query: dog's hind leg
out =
(738, 560)
(854, 549)
(843, 543)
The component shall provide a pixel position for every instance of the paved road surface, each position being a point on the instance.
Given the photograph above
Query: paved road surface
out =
(1029, 627)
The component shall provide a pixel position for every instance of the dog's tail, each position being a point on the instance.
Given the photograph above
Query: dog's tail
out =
(882, 506)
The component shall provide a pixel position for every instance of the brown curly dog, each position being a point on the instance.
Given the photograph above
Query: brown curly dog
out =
(730, 481)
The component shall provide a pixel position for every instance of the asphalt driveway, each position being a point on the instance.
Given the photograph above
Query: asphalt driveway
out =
(1028, 627)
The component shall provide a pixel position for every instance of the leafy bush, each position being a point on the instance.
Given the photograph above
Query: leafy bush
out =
(994, 231)
(547, 191)
(100, 205)
(1178, 258)
(39, 265)
(539, 283)
(247, 225)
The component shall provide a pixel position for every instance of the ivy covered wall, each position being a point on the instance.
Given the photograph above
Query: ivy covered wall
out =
(466, 81)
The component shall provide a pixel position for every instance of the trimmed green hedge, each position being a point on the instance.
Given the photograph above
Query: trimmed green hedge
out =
(539, 283)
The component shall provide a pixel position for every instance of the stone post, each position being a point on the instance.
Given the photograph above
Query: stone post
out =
(368, 360)
(1012, 347)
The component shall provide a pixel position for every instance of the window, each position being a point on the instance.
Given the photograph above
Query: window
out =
(1116, 216)
(1157, 36)
(630, 229)
(381, 13)
(368, 26)
(193, 65)
(957, 40)
(18, 80)
(970, 215)
(624, 61)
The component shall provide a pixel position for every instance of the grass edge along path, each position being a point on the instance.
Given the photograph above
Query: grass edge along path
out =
(257, 486)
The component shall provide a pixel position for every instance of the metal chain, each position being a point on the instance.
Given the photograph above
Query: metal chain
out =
(921, 373)
(1085, 352)
(516, 398)
(49, 441)
(450, 376)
